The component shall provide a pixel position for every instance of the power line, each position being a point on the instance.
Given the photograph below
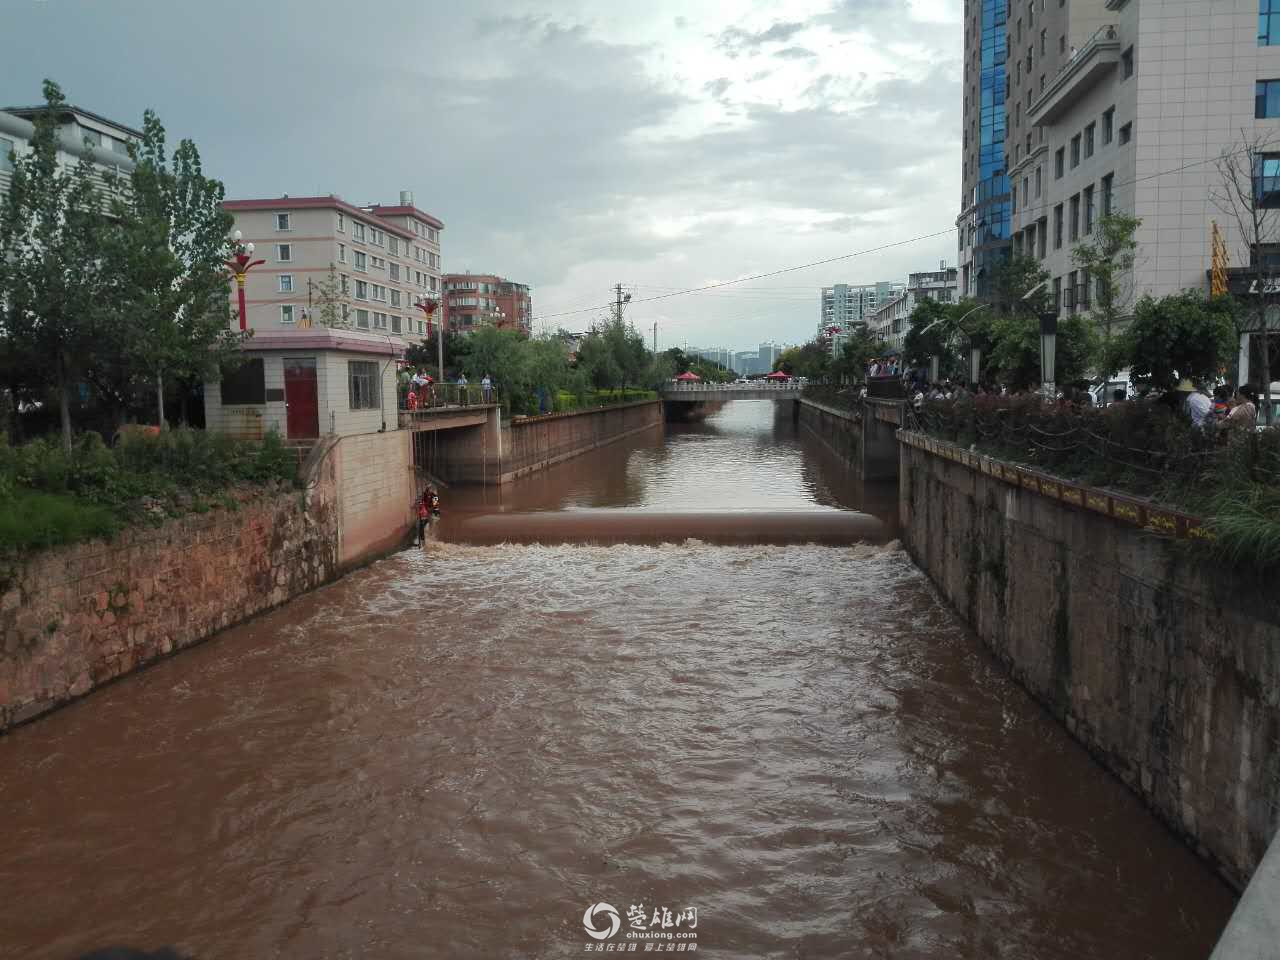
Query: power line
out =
(760, 276)
(679, 292)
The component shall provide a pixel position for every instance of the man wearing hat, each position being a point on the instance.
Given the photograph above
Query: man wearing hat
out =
(1197, 405)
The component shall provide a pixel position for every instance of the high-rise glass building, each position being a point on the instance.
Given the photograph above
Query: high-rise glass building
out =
(983, 224)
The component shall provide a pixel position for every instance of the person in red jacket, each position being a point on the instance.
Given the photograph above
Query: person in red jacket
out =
(424, 518)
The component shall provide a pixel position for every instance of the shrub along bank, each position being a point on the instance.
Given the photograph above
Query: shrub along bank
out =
(50, 496)
(1229, 476)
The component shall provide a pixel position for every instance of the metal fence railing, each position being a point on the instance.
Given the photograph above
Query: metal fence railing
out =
(435, 395)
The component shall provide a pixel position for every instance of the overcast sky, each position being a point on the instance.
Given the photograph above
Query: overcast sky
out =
(566, 144)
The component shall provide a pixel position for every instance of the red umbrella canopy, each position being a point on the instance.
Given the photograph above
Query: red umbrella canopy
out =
(778, 375)
(688, 375)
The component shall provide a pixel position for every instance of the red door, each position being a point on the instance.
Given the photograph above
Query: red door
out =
(302, 398)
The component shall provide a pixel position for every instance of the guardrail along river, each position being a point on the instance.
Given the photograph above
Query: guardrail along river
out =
(480, 751)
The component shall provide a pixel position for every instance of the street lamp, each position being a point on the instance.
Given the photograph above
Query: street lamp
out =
(428, 307)
(1048, 350)
(241, 263)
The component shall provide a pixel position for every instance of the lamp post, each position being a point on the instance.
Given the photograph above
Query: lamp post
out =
(240, 264)
(1048, 349)
(428, 307)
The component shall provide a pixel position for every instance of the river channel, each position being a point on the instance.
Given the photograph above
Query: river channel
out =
(483, 750)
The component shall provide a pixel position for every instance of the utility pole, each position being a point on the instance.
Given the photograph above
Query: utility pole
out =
(655, 338)
(620, 298)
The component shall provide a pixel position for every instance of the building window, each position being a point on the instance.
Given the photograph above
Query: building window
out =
(1057, 163)
(1075, 219)
(1268, 23)
(342, 223)
(1266, 180)
(6, 149)
(395, 298)
(1088, 209)
(1075, 151)
(1088, 139)
(244, 384)
(1107, 181)
(283, 221)
(1108, 125)
(1057, 293)
(286, 282)
(357, 230)
(1057, 227)
(395, 324)
(1267, 99)
(1062, 43)
(1126, 133)
(362, 290)
(393, 271)
(1042, 235)
(286, 313)
(362, 319)
(1070, 302)
(1026, 190)
(342, 253)
(393, 246)
(362, 261)
(1043, 41)
(346, 284)
(284, 252)
(1126, 64)
(362, 380)
(1082, 298)
(1039, 169)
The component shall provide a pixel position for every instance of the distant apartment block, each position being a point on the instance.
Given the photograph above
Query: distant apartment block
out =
(485, 299)
(844, 304)
(892, 320)
(80, 134)
(384, 259)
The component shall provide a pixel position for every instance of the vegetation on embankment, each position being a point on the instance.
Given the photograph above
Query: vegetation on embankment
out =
(49, 496)
(1229, 476)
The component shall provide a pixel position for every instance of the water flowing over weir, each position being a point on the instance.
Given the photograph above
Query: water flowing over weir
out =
(458, 751)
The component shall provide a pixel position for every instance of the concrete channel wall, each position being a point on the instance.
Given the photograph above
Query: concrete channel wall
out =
(1166, 667)
(494, 453)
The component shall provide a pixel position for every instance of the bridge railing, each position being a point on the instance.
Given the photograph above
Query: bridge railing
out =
(687, 386)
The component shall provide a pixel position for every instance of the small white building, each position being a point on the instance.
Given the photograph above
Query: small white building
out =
(305, 384)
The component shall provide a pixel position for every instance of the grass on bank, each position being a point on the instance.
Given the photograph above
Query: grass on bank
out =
(50, 497)
(566, 401)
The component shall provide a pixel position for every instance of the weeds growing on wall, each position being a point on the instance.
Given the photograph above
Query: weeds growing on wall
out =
(49, 496)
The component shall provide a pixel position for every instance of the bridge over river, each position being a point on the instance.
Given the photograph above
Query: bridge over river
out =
(500, 750)
(695, 391)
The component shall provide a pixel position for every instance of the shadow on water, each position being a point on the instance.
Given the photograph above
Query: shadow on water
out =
(745, 471)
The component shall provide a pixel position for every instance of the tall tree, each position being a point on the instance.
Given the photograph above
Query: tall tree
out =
(1249, 193)
(1108, 259)
(1183, 335)
(50, 228)
(164, 252)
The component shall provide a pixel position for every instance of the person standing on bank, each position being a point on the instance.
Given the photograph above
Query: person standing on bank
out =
(486, 385)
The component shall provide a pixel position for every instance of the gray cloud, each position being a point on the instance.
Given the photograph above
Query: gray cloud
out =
(795, 53)
(718, 87)
(735, 40)
(543, 145)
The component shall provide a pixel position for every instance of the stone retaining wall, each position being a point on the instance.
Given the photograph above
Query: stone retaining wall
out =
(1165, 666)
(535, 443)
(76, 617)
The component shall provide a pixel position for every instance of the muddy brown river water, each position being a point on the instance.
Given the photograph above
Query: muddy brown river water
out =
(480, 751)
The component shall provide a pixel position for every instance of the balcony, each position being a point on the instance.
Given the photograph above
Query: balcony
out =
(1098, 57)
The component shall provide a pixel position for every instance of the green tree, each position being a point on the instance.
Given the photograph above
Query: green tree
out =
(1108, 261)
(1183, 335)
(164, 249)
(51, 282)
(811, 360)
(1012, 283)
(1015, 351)
(329, 308)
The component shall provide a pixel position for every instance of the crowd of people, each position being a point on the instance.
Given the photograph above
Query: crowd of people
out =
(418, 390)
